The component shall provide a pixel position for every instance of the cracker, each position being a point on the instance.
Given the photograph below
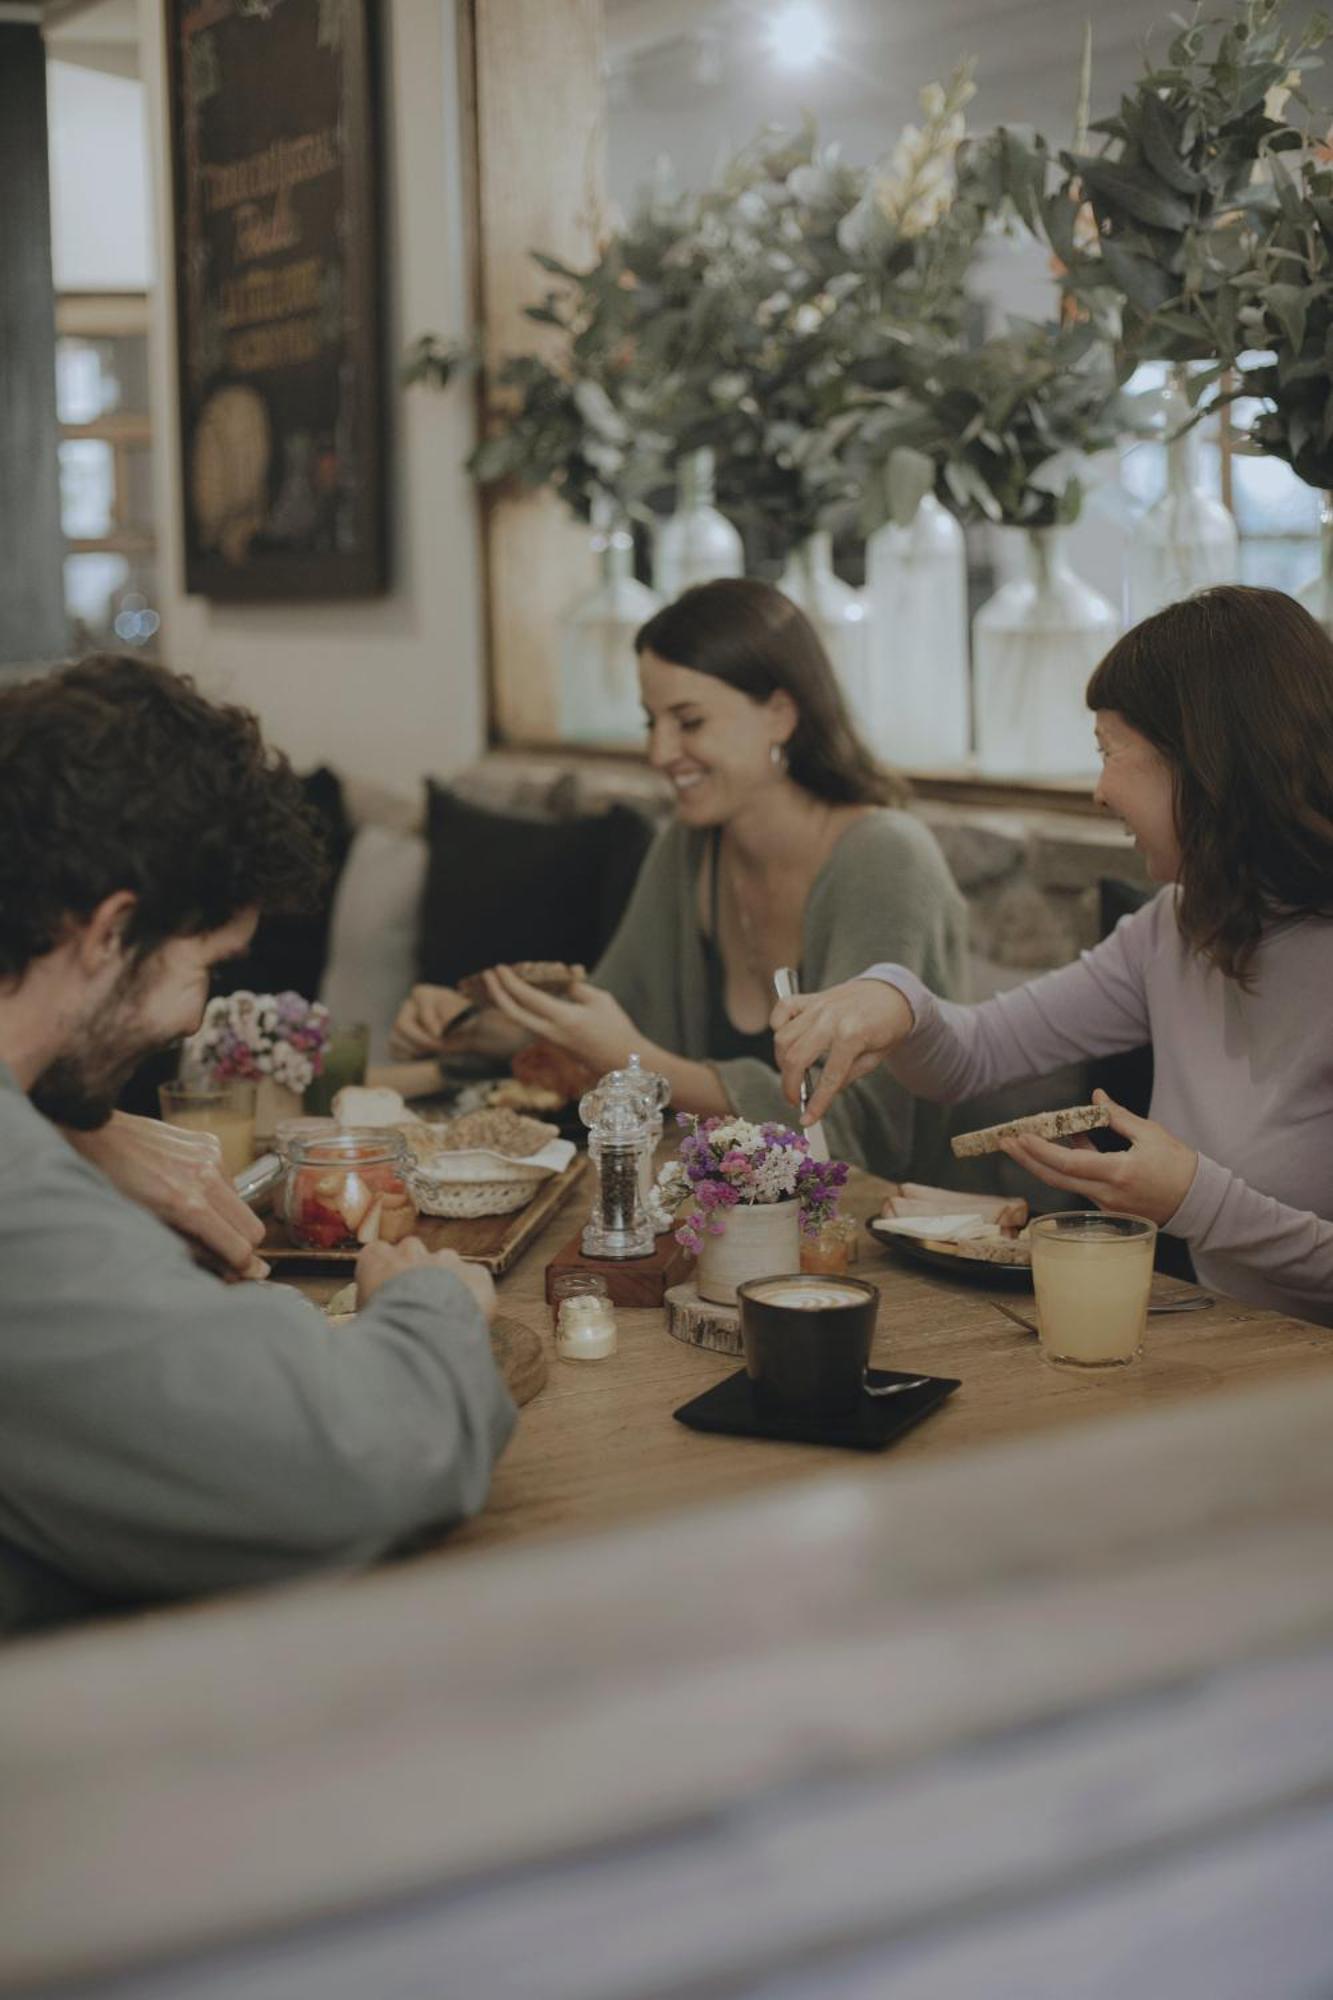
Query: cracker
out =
(1041, 1125)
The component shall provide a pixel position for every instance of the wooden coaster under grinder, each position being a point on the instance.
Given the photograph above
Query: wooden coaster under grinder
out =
(631, 1281)
(701, 1323)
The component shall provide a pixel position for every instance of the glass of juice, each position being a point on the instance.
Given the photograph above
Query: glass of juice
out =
(1092, 1274)
(345, 1061)
(227, 1110)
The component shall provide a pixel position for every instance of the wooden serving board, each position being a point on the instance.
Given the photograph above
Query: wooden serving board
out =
(495, 1241)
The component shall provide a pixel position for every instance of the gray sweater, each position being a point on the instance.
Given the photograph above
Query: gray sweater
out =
(163, 1435)
(884, 892)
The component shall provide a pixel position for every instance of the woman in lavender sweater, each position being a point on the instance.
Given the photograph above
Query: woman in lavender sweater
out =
(1215, 725)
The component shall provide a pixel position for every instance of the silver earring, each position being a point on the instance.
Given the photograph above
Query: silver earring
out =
(778, 755)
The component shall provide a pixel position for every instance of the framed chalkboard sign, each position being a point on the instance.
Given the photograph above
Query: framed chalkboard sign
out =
(278, 287)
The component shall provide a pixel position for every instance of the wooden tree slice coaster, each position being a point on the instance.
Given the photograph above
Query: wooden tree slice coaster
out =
(520, 1358)
(701, 1323)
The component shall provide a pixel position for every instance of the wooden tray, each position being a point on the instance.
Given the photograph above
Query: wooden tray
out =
(495, 1241)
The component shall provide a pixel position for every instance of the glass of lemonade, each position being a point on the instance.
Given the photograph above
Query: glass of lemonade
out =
(1092, 1274)
(227, 1110)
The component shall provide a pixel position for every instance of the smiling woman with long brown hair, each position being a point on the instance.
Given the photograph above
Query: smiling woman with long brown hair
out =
(789, 847)
(1215, 725)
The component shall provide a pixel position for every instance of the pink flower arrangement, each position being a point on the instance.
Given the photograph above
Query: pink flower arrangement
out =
(726, 1162)
(254, 1035)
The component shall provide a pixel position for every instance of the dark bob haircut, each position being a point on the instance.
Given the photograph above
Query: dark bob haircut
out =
(1234, 687)
(749, 635)
(115, 774)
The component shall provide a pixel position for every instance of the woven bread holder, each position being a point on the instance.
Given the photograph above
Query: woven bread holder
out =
(463, 1185)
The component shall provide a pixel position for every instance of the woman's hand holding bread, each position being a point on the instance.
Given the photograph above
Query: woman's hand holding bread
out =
(1151, 1179)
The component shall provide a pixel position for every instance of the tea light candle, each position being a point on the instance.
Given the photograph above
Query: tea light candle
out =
(586, 1328)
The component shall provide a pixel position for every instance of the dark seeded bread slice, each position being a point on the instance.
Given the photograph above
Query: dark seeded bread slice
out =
(1042, 1125)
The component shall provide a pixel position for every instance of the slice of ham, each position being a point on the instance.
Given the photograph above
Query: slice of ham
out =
(1007, 1212)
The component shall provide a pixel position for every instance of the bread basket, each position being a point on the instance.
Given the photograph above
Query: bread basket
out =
(481, 1181)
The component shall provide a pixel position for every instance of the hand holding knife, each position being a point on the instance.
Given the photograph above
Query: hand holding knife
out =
(786, 986)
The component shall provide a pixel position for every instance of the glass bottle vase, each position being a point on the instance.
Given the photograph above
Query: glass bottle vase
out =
(1317, 594)
(916, 582)
(1188, 539)
(1035, 643)
(839, 614)
(696, 543)
(599, 675)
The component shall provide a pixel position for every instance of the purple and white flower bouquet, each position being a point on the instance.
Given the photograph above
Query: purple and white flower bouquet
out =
(258, 1035)
(726, 1163)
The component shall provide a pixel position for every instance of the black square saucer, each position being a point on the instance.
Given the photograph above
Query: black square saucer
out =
(876, 1421)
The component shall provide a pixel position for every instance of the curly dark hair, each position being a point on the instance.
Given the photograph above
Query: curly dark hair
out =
(116, 774)
(1234, 687)
(755, 639)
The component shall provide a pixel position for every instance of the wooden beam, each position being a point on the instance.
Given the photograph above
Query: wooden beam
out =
(540, 176)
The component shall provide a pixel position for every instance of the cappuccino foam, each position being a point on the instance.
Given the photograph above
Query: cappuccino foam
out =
(822, 1297)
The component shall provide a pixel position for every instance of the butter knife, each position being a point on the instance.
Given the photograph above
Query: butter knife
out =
(786, 985)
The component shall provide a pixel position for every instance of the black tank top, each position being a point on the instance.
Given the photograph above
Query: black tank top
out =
(725, 1040)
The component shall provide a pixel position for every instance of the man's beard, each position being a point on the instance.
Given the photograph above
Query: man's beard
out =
(80, 1088)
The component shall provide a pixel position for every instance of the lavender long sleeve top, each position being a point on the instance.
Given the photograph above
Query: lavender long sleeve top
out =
(1246, 1077)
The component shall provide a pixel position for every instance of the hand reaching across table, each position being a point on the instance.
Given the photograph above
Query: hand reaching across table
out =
(178, 1176)
(849, 1028)
(1151, 1179)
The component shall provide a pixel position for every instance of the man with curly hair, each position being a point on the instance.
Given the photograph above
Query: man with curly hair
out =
(164, 1433)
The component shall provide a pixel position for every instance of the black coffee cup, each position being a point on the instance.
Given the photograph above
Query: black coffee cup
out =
(807, 1341)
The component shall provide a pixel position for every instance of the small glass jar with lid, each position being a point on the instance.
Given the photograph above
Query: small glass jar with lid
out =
(344, 1190)
(584, 1317)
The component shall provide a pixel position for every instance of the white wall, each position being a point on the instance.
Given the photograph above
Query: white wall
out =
(101, 213)
(388, 687)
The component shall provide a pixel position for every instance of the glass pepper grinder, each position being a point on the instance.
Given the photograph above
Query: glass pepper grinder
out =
(656, 1096)
(620, 1121)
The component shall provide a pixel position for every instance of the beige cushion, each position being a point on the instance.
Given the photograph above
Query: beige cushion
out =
(372, 963)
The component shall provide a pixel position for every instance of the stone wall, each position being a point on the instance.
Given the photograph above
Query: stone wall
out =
(1031, 882)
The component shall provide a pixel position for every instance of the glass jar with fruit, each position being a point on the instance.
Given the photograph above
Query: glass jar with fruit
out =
(346, 1189)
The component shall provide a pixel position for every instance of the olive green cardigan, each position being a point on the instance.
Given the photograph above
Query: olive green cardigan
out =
(885, 894)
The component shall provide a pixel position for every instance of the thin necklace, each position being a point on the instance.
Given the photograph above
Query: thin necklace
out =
(755, 958)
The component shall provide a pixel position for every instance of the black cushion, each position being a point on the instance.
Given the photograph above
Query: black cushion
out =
(290, 950)
(501, 887)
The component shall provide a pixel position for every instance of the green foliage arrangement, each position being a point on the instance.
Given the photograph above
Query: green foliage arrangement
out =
(804, 319)
(1155, 235)
(1291, 314)
(1004, 426)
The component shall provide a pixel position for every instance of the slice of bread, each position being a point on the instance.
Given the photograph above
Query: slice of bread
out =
(547, 974)
(1042, 1125)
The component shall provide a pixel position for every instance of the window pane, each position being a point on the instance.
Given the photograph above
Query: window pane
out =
(87, 488)
(110, 601)
(90, 584)
(96, 378)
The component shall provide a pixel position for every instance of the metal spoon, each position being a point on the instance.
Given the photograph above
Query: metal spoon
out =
(897, 1388)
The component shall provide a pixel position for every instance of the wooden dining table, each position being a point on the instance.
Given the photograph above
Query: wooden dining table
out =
(599, 1445)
